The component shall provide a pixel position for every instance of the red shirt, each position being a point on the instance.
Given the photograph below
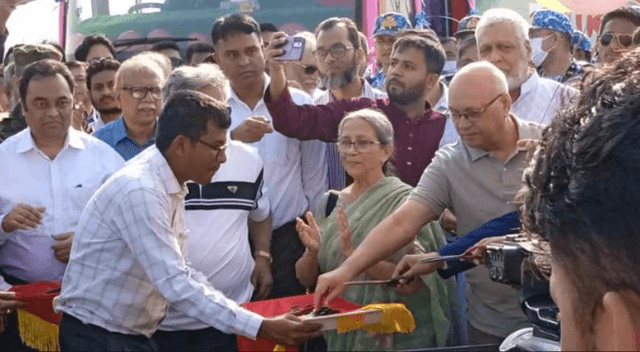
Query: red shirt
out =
(416, 140)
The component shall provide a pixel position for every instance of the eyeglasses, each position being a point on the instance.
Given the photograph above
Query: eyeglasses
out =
(141, 92)
(337, 51)
(624, 39)
(473, 114)
(309, 69)
(217, 150)
(360, 146)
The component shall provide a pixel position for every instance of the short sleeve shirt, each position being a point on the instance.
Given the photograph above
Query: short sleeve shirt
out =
(478, 187)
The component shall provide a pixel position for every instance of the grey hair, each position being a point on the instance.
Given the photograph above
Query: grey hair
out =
(384, 131)
(161, 60)
(377, 119)
(502, 15)
(194, 78)
(138, 63)
(499, 76)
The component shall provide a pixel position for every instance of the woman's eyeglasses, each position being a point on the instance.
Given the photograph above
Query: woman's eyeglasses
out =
(360, 146)
(624, 39)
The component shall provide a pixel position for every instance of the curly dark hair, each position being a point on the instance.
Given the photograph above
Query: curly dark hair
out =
(583, 187)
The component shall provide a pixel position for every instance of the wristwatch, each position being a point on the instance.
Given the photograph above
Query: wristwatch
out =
(264, 254)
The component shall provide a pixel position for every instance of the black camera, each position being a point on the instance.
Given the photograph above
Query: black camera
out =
(525, 263)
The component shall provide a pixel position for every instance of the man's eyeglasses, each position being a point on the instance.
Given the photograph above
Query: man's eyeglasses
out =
(141, 92)
(361, 145)
(624, 39)
(217, 150)
(337, 51)
(473, 114)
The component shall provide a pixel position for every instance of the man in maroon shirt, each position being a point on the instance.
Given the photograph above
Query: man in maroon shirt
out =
(416, 64)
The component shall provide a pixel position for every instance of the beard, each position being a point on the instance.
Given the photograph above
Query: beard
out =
(517, 78)
(343, 79)
(408, 95)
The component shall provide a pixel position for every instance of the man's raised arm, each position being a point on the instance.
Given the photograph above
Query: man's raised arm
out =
(303, 122)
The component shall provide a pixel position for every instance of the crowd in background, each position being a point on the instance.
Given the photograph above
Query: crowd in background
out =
(167, 190)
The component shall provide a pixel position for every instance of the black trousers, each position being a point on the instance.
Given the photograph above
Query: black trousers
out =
(209, 339)
(77, 336)
(286, 249)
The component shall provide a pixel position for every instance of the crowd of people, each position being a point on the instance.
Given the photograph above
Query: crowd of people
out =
(164, 191)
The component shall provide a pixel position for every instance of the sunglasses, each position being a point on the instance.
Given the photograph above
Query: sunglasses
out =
(624, 39)
(309, 69)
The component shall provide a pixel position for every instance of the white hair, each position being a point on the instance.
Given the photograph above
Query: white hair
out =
(499, 77)
(194, 78)
(136, 64)
(501, 15)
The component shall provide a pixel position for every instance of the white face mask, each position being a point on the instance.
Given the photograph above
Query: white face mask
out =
(538, 55)
(450, 67)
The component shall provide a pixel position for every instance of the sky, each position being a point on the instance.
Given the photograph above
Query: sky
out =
(38, 20)
(33, 22)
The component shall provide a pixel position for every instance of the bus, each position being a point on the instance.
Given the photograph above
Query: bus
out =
(142, 21)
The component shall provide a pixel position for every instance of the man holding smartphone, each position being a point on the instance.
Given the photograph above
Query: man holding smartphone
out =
(294, 171)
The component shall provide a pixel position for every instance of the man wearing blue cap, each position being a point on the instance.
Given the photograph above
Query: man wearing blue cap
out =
(581, 47)
(551, 35)
(386, 29)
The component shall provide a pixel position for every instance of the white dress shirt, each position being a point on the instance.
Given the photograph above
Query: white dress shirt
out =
(450, 134)
(127, 261)
(62, 185)
(541, 98)
(217, 217)
(294, 171)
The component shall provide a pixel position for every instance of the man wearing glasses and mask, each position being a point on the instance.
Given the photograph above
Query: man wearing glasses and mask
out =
(337, 53)
(616, 34)
(139, 91)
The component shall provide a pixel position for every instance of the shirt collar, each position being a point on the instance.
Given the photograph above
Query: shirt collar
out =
(73, 140)
(443, 103)
(233, 96)
(119, 129)
(524, 132)
(167, 177)
(529, 85)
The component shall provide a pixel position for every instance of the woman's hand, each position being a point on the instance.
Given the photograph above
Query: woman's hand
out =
(309, 234)
(344, 233)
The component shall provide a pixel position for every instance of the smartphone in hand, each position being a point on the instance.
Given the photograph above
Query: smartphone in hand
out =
(293, 49)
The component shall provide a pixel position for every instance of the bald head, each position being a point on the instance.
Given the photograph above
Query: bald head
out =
(479, 102)
(485, 75)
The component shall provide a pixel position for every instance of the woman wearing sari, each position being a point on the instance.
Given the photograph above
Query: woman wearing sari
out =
(365, 143)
